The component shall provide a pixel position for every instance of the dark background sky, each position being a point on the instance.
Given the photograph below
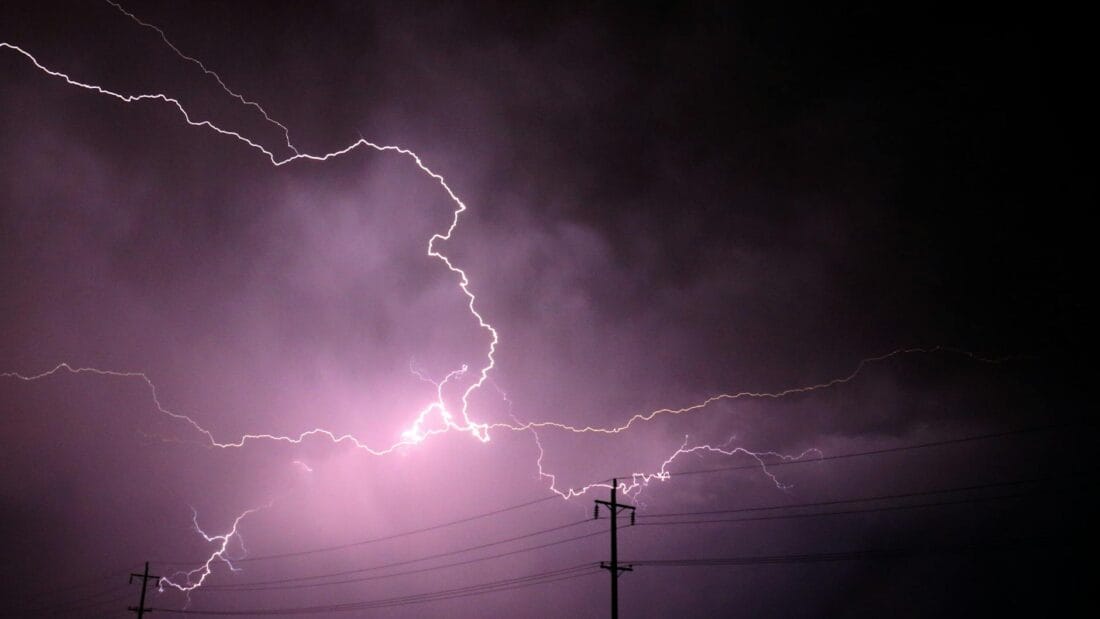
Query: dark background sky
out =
(667, 201)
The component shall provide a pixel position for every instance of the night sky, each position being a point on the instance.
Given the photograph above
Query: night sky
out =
(666, 202)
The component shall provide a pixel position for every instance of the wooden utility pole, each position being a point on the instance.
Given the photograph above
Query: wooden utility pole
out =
(614, 507)
(145, 578)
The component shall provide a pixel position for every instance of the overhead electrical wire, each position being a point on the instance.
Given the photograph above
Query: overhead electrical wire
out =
(289, 583)
(581, 570)
(867, 499)
(269, 586)
(868, 510)
(872, 452)
(442, 525)
(87, 602)
(826, 557)
(425, 557)
(540, 578)
(374, 540)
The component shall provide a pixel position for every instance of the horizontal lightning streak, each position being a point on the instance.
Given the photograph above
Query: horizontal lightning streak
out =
(417, 432)
(641, 479)
(437, 409)
(756, 395)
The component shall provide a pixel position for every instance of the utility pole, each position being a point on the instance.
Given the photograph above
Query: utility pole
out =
(614, 507)
(145, 578)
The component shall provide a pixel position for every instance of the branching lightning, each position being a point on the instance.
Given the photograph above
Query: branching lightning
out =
(638, 480)
(211, 73)
(193, 579)
(435, 417)
(743, 395)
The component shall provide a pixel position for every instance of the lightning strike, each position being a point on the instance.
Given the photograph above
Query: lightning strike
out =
(193, 579)
(640, 480)
(478, 430)
(435, 417)
(418, 431)
(742, 395)
(211, 73)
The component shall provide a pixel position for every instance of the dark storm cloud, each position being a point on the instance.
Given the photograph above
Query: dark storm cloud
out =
(667, 202)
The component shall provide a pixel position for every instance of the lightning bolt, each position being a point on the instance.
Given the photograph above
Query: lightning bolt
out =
(639, 480)
(415, 434)
(211, 73)
(435, 417)
(193, 579)
(755, 395)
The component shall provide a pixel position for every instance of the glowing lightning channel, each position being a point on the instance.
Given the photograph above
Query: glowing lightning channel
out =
(190, 580)
(211, 73)
(639, 480)
(415, 434)
(335, 438)
(419, 430)
(742, 395)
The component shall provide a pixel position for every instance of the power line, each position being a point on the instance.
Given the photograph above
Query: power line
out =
(875, 452)
(87, 601)
(74, 589)
(69, 610)
(865, 499)
(284, 584)
(287, 581)
(302, 582)
(256, 587)
(842, 512)
(90, 582)
(374, 540)
(423, 558)
(576, 571)
(826, 557)
(337, 547)
(585, 569)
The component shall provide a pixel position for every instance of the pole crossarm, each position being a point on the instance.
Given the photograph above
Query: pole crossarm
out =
(145, 577)
(620, 568)
(621, 506)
